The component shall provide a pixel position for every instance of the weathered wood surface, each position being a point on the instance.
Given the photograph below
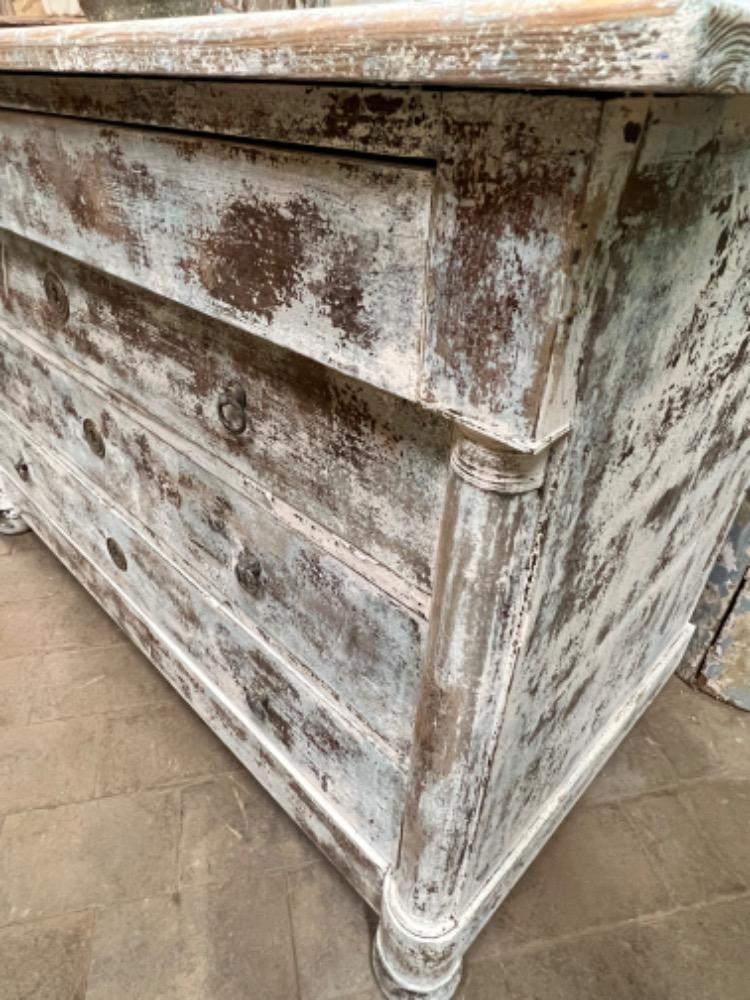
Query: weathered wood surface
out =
(584, 276)
(363, 646)
(403, 122)
(658, 448)
(511, 178)
(328, 748)
(676, 45)
(358, 472)
(322, 255)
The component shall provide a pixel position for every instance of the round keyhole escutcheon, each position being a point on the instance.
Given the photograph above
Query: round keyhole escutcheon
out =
(116, 554)
(57, 297)
(93, 438)
(232, 409)
(249, 572)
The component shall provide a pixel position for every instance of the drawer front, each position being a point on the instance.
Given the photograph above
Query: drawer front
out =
(265, 691)
(320, 253)
(364, 465)
(364, 646)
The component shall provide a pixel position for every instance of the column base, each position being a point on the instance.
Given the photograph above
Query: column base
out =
(11, 523)
(394, 988)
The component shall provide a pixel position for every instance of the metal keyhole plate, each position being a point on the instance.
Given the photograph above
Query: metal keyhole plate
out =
(231, 407)
(57, 297)
(93, 438)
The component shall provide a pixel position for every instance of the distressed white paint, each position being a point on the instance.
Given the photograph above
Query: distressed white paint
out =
(562, 580)
(676, 45)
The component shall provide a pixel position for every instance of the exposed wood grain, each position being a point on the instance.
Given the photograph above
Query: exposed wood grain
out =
(359, 472)
(392, 122)
(261, 685)
(620, 44)
(319, 254)
(361, 645)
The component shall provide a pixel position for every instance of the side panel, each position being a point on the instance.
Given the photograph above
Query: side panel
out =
(651, 474)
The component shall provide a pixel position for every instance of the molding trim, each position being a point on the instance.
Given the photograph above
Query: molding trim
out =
(488, 466)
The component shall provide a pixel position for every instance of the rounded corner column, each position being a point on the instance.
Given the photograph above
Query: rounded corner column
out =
(486, 552)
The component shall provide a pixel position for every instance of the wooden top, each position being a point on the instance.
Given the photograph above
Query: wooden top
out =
(639, 45)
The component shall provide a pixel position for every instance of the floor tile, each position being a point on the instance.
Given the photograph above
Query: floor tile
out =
(48, 764)
(32, 574)
(594, 870)
(692, 868)
(72, 619)
(158, 746)
(230, 827)
(332, 932)
(722, 810)
(638, 765)
(74, 856)
(675, 721)
(87, 682)
(18, 679)
(47, 960)
(205, 943)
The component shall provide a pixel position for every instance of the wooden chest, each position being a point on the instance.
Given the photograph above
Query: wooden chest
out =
(398, 424)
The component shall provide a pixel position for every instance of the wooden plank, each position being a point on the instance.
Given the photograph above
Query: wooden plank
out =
(392, 122)
(357, 472)
(620, 44)
(362, 646)
(263, 691)
(323, 255)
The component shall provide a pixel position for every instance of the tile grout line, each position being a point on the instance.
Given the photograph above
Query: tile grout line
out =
(293, 937)
(656, 916)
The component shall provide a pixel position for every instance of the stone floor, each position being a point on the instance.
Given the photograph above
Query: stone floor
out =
(137, 862)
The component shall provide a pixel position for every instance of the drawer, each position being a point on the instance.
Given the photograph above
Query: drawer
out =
(263, 691)
(323, 254)
(365, 647)
(364, 465)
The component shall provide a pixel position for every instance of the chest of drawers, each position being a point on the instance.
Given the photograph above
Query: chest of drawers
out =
(396, 424)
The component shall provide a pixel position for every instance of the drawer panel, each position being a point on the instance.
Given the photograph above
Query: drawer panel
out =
(363, 464)
(320, 253)
(264, 691)
(364, 646)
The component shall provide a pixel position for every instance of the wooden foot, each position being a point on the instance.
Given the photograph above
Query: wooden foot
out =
(11, 522)
(424, 985)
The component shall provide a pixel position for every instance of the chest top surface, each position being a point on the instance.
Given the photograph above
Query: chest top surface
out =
(633, 45)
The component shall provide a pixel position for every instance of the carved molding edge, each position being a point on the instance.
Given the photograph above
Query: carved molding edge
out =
(488, 466)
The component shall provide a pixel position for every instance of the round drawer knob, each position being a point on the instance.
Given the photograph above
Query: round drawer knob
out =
(57, 297)
(116, 554)
(24, 472)
(249, 572)
(93, 438)
(232, 413)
